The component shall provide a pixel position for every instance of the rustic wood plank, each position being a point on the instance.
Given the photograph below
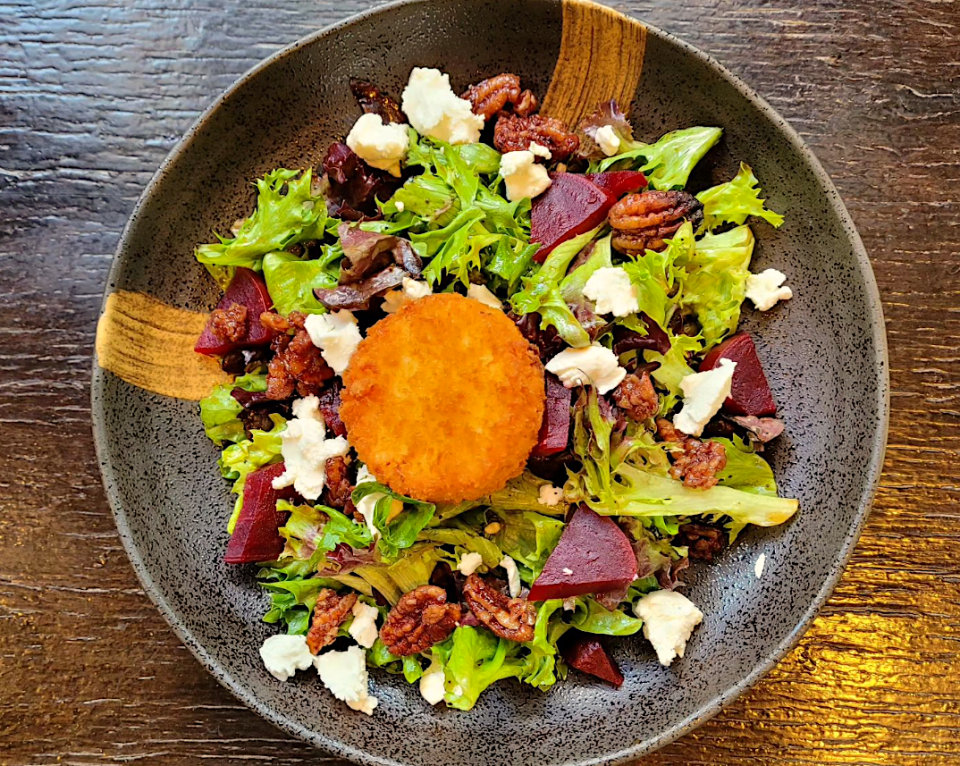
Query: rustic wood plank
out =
(92, 95)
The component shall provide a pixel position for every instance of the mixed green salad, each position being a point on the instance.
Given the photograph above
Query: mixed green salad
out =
(630, 287)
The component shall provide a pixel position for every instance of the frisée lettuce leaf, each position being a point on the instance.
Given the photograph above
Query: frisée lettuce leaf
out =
(735, 201)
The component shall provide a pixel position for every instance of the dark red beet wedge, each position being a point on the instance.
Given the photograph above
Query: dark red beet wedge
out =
(586, 654)
(749, 391)
(571, 206)
(248, 289)
(593, 555)
(255, 537)
(555, 429)
(618, 182)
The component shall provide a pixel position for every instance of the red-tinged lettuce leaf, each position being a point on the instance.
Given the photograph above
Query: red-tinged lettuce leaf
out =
(353, 187)
(608, 113)
(366, 252)
(373, 101)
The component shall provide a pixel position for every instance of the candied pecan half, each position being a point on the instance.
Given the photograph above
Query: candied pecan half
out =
(695, 462)
(493, 94)
(514, 134)
(298, 365)
(329, 613)
(511, 618)
(526, 105)
(339, 487)
(643, 221)
(420, 619)
(229, 325)
(703, 541)
(636, 396)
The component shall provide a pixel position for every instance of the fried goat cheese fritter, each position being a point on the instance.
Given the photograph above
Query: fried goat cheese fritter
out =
(443, 400)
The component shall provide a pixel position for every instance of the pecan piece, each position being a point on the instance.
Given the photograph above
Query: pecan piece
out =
(493, 94)
(694, 462)
(636, 396)
(526, 105)
(703, 541)
(329, 613)
(339, 487)
(229, 325)
(298, 365)
(511, 618)
(643, 221)
(514, 134)
(420, 619)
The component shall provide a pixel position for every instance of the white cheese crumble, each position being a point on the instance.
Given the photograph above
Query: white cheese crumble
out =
(592, 365)
(668, 620)
(610, 287)
(539, 150)
(363, 629)
(431, 685)
(513, 575)
(758, 567)
(306, 449)
(284, 655)
(482, 293)
(336, 335)
(550, 495)
(567, 571)
(470, 563)
(703, 395)
(765, 290)
(345, 675)
(399, 206)
(380, 145)
(523, 176)
(608, 140)
(409, 290)
(435, 110)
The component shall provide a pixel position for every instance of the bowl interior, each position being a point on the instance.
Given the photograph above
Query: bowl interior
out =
(823, 352)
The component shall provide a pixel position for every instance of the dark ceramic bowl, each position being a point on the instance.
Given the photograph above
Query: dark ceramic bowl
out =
(824, 352)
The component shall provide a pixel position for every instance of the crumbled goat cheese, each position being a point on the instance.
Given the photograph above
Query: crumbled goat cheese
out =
(363, 629)
(608, 140)
(482, 294)
(431, 685)
(539, 150)
(668, 620)
(593, 365)
(523, 176)
(513, 575)
(399, 205)
(610, 287)
(336, 335)
(703, 395)
(435, 110)
(470, 563)
(345, 675)
(379, 145)
(765, 290)
(409, 290)
(758, 567)
(550, 495)
(306, 449)
(567, 571)
(284, 655)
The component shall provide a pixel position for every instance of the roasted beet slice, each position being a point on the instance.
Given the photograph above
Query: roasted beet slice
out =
(586, 654)
(618, 182)
(571, 206)
(749, 391)
(593, 555)
(248, 289)
(255, 537)
(555, 429)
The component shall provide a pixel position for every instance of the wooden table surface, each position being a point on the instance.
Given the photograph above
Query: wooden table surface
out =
(93, 93)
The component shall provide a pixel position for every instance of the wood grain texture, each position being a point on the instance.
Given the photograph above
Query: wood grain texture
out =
(601, 57)
(150, 344)
(93, 93)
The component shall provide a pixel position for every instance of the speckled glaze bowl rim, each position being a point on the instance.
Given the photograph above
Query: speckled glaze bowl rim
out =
(707, 711)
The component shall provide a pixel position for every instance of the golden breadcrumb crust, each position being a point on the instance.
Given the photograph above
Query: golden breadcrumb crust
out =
(443, 400)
